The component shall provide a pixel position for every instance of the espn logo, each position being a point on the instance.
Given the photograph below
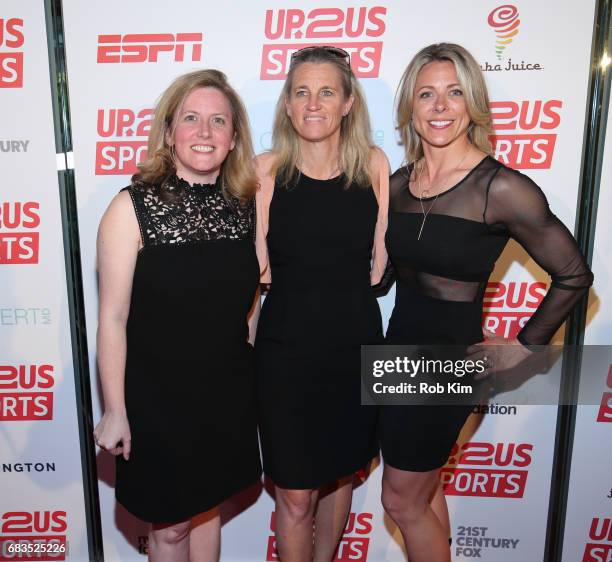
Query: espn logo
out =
(149, 47)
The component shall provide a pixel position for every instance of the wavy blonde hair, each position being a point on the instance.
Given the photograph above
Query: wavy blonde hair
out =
(237, 175)
(474, 91)
(355, 138)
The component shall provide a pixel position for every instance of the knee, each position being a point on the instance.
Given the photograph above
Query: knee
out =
(170, 534)
(296, 504)
(402, 506)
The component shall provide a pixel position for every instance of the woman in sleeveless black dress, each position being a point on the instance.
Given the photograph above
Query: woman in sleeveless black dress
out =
(321, 210)
(451, 212)
(178, 276)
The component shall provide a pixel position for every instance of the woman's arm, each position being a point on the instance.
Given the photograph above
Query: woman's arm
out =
(379, 172)
(117, 247)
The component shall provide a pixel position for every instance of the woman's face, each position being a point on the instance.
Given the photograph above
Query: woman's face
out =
(203, 135)
(439, 114)
(317, 102)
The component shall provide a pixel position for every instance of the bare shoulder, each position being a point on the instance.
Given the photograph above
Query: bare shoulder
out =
(119, 220)
(379, 164)
(264, 162)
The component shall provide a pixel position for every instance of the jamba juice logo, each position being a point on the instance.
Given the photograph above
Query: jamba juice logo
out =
(505, 22)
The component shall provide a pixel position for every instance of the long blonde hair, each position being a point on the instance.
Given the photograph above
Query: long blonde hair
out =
(474, 90)
(237, 174)
(355, 139)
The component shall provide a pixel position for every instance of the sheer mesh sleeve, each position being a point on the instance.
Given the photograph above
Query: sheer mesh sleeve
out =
(516, 204)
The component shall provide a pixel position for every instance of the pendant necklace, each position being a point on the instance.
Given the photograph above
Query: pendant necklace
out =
(425, 191)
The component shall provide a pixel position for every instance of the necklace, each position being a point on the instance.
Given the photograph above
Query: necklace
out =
(426, 191)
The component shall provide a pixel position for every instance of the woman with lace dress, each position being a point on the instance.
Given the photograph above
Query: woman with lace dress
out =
(178, 275)
(321, 216)
(451, 213)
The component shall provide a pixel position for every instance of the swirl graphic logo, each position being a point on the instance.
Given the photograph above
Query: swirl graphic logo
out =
(505, 21)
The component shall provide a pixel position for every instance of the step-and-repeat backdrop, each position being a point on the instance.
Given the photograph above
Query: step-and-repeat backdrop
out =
(41, 491)
(121, 56)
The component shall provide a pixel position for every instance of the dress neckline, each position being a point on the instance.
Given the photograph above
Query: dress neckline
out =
(410, 167)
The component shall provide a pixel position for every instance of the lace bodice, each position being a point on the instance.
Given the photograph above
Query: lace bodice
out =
(200, 213)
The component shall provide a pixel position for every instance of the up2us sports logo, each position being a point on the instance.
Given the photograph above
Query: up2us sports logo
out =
(33, 535)
(11, 52)
(353, 546)
(122, 139)
(358, 30)
(19, 232)
(26, 392)
(509, 305)
(599, 547)
(525, 132)
(605, 408)
(493, 470)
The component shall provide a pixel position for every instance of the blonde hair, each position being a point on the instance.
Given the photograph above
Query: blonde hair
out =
(474, 91)
(237, 175)
(355, 140)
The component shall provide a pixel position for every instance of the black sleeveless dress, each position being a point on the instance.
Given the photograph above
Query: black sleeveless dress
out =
(441, 280)
(319, 311)
(189, 375)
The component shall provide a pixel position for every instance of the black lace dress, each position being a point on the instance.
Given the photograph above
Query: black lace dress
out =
(441, 279)
(189, 382)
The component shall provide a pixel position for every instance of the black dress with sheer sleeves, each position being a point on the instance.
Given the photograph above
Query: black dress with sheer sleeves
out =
(441, 279)
(189, 374)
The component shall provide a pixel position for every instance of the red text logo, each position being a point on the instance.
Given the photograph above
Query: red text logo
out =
(149, 47)
(605, 408)
(599, 547)
(494, 470)
(37, 535)
(508, 306)
(124, 145)
(352, 29)
(353, 544)
(524, 135)
(26, 392)
(11, 59)
(18, 238)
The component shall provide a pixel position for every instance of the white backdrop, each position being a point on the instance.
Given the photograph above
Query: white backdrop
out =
(122, 55)
(41, 491)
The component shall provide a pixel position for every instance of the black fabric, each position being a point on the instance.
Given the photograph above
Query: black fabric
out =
(319, 311)
(441, 279)
(189, 378)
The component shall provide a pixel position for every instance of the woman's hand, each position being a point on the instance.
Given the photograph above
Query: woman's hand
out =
(113, 434)
(498, 353)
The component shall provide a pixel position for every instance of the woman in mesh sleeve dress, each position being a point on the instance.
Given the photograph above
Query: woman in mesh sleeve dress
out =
(178, 276)
(452, 210)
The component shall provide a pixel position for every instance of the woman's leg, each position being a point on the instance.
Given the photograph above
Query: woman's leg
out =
(169, 543)
(205, 537)
(330, 518)
(405, 497)
(294, 519)
(440, 508)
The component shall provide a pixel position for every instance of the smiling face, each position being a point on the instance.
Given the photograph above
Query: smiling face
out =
(202, 135)
(317, 102)
(440, 114)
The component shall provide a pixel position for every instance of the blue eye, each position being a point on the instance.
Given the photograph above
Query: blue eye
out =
(189, 117)
(301, 93)
(219, 121)
(457, 92)
(327, 93)
(424, 95)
